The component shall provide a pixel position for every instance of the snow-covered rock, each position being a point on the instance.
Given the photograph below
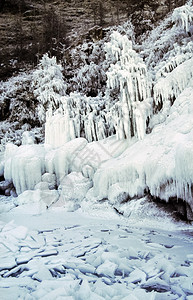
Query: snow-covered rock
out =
(45, 197)
(50, 179)
(41, 186)
(74, 186)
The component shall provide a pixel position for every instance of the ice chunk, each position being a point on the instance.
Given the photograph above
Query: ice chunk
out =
(42, 274)
(8, 263)
(84, 291)
(48, 197)
(187, 286)
(19, 232)
(107, 269)
(50, 179)
(42, 186)
(157, 284)
(74, 187)
(137, 276)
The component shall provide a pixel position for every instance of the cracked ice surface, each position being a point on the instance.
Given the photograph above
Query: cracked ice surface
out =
(82, 255)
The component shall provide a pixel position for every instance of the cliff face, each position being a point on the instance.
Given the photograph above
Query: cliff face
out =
(29, 28)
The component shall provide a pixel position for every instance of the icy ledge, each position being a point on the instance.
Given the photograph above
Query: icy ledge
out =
(161, 164)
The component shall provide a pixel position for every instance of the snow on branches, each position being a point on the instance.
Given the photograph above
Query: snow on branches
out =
(48, 85)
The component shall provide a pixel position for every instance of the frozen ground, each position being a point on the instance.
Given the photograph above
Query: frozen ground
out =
(93, 253)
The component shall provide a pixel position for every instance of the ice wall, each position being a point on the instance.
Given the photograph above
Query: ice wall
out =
(161, 164)
(59, 127)
(24, 165)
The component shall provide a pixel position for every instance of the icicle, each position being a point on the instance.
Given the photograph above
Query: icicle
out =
(183, 16)
(128, 75)
(174, 83)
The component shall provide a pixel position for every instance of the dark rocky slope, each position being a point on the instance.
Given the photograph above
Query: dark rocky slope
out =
(29, 28)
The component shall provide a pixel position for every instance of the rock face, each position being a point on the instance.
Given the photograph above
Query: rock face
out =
(29, 28)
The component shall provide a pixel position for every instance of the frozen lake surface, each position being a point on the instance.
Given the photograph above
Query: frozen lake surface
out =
(93, 253)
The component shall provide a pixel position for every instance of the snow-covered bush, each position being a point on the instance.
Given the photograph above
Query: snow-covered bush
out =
(88, 65)
(17, 103)
(90, 79)
(48, 85)
(174, 82)
(17, 109)
(12, 132)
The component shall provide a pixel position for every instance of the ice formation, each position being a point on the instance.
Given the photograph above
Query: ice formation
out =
(79, 134)
(161, 164)
(24, 165)
(100, 117)
(60, 161)
(59, 128)
(169, 87)
(183, 16)
(128, 75)
(78, 116)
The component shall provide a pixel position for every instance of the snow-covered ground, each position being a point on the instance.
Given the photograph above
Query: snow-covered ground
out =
(94, 253)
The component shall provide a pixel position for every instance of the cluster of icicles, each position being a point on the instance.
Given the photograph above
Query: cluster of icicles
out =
(125, 116)
(127, 113)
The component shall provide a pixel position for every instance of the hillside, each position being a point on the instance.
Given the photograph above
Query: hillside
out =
(30, 28)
